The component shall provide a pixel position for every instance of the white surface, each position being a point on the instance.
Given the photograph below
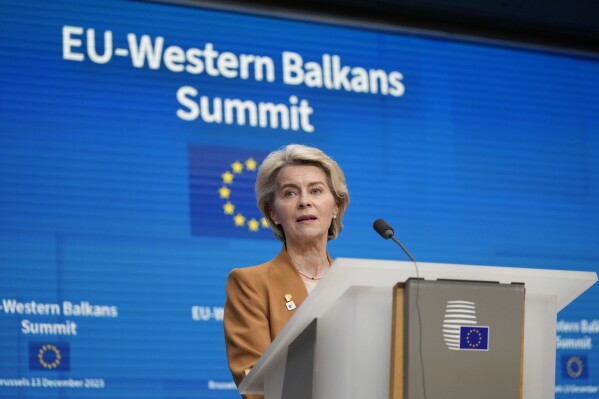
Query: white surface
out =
(353, 304)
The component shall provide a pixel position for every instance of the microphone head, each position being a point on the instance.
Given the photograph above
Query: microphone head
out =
(383, 228)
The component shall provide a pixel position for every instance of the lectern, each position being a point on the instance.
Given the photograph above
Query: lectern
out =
(348, 320)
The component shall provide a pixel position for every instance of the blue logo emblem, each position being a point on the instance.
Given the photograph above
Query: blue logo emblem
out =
(221, 189)
(49, 356)
(575, 367)
(475, 338)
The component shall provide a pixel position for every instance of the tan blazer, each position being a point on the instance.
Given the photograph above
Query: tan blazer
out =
(256, 310)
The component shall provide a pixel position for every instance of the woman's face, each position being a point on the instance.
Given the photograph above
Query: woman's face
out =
(304, 205)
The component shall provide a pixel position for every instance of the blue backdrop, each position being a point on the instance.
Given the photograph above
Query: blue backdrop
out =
(122, 210)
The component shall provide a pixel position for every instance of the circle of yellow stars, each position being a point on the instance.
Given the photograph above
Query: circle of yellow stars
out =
(574, 360)
(477, 335)
(43, 351)
(237, 168)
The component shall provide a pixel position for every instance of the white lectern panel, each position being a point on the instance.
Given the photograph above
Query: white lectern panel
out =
(354, 302)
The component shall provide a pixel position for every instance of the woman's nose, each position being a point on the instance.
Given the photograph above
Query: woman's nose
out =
(304, 201)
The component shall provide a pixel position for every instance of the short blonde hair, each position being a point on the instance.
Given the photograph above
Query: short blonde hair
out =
(296, 154)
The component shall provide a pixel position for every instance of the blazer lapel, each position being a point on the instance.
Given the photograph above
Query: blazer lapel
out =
(287, 279)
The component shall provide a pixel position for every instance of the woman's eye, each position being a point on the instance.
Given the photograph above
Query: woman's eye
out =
(317, 190)
(288, 194)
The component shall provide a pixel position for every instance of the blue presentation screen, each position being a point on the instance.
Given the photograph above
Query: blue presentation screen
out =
(130, 137)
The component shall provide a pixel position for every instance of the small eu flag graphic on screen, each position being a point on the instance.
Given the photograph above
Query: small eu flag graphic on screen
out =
(575, 367)
(475, 338)
(49, 356)
(221, 189)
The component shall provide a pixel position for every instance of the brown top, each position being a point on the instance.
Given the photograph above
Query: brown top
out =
(256, 310)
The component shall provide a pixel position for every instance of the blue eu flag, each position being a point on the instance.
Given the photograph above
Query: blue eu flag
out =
(49, 356)
(474, 338)
(221, 190)
(575, 367)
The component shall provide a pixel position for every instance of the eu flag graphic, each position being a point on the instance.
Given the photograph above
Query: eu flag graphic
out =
(221, 189)
(49, 356)
(474, 338)
(575, 367)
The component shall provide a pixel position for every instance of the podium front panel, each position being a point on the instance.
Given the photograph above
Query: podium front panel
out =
(463, 340)
(353, 304)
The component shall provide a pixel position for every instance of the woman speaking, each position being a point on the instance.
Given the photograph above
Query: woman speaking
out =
(303, 196)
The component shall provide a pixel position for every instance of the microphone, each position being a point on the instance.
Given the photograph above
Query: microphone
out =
(386, 231)
(383, 228)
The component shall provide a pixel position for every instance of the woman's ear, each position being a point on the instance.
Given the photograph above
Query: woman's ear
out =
(273, 216)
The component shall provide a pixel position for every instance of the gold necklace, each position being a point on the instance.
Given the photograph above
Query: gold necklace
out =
(308, 277)
(304, 274)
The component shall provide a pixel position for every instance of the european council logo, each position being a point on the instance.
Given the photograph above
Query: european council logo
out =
(575, 367)
(49, 356)
(460, 329)
(221, 189)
